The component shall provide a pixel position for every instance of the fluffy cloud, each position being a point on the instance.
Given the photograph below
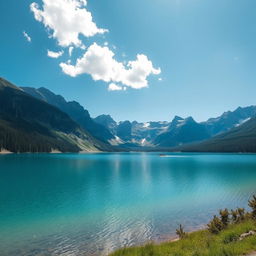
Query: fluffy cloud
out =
(27, 36)
(67, 19)
(54, 55)
(99, 62)
(115, 87)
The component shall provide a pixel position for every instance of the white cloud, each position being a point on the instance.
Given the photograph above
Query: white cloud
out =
(54, 55)
(114, 87)
(160, 79)
(70, 50)
(25, 34)
(138, 72)
(67, 19)
(99, 62)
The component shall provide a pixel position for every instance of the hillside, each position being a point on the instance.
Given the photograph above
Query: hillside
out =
(239, 139)
(31, 125)
(74, 110)
(201, 243)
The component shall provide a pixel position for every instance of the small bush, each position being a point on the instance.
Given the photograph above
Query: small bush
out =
(215, 226)
(234, 216)
(241, 214)
(180, 232)
(252, 204)
(224, 216)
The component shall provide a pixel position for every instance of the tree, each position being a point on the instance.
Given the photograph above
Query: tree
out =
(252, 204)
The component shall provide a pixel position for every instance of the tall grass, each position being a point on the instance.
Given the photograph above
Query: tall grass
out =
(201, 243)
(220, 239)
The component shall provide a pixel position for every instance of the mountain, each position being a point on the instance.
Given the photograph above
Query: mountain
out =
(132, 134)
(124, 131)
(229, 120)
(181, 131)
(74, 110)
(239, 139)
(145, 133)
(31, 125)
(108, 122)
(138, 136)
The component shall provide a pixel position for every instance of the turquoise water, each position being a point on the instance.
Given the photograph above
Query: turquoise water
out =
(91, 204)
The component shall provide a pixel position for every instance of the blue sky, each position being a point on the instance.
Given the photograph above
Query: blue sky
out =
(205, 49)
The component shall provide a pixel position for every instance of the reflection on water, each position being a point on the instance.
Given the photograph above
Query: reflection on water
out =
(71, 204)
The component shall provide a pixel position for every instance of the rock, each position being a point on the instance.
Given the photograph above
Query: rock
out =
(244, 235)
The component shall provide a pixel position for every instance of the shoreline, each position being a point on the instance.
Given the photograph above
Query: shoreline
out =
(5, 152)
(168, 154)
(233, 238)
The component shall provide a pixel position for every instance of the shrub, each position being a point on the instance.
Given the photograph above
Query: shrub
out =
(241, 214)
(180, 232)
(234, 216)
(224, 216)
(252, 204)
(215, 226)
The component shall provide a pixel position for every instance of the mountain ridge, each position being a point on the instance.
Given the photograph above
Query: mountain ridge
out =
(103, 132)
(74, 110)
(238, 139)
(31, 125)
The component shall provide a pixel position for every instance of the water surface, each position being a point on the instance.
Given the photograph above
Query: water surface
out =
(91, 204)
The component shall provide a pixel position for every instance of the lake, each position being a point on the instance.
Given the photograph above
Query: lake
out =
(91, 204)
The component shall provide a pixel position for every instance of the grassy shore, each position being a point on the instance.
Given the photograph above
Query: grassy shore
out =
(201, 243)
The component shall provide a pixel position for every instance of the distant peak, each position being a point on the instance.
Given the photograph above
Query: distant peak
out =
(45, 90)
(105, 119)
(190, 119)
(125, 122)
(177, 118)
(105, 116)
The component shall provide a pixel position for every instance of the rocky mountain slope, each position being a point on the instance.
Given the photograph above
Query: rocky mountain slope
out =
(74, 110)
(239, 139)
(31, 125)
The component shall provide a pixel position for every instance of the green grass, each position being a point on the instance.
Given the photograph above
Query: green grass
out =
(201, 243)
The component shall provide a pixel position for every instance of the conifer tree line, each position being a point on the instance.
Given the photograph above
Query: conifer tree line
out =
(20, 141)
